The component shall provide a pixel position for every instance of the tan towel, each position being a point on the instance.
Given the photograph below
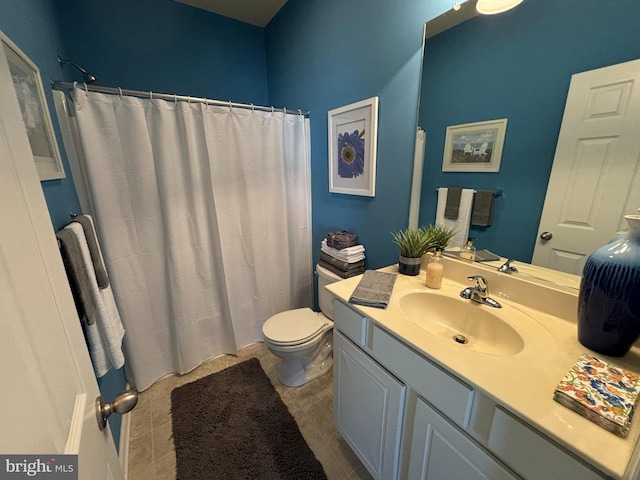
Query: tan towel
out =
(482, 214)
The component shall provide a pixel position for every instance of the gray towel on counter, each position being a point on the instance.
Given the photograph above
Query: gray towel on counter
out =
(452, 207)
(482, 214)
(374, 290)
(94, 251)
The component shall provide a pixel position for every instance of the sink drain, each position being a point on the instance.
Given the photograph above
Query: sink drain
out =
(460, 339)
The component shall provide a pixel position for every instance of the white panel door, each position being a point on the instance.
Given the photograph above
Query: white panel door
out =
(595, 179)
(367, 408)
(47, 405)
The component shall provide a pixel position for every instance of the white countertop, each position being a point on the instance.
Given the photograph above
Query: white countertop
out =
(524, 382)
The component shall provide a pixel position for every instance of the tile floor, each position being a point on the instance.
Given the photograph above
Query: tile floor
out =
(151, 450)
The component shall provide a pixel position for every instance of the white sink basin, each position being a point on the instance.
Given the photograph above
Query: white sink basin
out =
(466, 324)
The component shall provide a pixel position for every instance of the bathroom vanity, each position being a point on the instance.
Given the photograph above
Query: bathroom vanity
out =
(415, 403)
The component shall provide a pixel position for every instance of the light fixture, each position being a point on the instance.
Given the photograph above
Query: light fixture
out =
(491, 7)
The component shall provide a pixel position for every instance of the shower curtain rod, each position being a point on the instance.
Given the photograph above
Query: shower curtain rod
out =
(61, 85)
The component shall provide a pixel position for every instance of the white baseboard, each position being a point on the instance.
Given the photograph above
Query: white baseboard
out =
(123, 447)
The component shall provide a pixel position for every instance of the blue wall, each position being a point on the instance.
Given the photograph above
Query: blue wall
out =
(517, 65)
(165, 46)
(325, 54)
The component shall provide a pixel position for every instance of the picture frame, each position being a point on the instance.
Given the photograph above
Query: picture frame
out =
(35, 112)
(353, 139)
(474, 147)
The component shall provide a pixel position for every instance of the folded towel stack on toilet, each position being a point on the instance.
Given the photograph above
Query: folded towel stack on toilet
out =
(341, 254)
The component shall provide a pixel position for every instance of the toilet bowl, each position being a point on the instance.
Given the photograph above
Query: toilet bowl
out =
(302, 338)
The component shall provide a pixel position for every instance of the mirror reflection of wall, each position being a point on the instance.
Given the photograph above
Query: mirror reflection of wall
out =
(515, 65)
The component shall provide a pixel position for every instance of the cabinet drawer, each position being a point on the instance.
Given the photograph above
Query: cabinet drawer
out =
(531, 454)
(445, 392)
(351, 323)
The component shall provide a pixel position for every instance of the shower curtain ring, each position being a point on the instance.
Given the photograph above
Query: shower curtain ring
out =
(272, 109)
(299, 112)
(86, 89)
(175, 99)
(120, 92)
(252, 108)
(230, 109)
(75, 84)
(189, 100)
(284, 110)
(150, 95)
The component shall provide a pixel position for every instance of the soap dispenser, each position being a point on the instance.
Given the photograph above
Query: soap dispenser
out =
(435, 268)
(468, 252)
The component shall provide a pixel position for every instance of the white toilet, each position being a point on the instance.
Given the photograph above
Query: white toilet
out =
(302, 338)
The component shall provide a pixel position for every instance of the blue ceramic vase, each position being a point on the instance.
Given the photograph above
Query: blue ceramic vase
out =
(609, 301)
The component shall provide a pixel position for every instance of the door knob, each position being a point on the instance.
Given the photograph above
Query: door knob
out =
(123, 403)
(546, 236)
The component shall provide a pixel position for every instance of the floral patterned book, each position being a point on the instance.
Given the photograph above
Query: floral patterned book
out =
(600, 391)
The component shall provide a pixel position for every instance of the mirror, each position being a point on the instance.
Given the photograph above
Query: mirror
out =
(516, 65)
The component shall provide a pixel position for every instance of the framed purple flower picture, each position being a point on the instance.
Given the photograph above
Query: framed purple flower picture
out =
(353, 132)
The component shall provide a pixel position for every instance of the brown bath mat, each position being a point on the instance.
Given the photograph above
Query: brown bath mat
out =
(233, 425)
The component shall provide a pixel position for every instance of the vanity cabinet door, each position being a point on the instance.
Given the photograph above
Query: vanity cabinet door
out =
(439, 451)
(367, 408)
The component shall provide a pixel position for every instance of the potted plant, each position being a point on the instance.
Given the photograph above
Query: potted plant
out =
(415, 242)
(439, 236)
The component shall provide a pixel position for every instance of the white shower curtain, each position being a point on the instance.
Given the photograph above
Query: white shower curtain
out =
(204, 218)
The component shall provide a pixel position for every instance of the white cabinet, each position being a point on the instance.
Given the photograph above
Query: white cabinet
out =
(367, 408)
(385, 391)
(439, 451)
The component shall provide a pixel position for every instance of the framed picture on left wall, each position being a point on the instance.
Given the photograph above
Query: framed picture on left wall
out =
(353, 134)
(35, 113)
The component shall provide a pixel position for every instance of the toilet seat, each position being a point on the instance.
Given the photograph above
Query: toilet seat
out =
(294, 327)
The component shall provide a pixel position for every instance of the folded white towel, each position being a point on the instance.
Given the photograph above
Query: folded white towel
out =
(106, 332)
(344, 251)
(345, 258)
(461, 225)
(350, 254)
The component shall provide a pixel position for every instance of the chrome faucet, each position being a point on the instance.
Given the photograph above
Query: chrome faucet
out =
(479, 292)
(507, 268)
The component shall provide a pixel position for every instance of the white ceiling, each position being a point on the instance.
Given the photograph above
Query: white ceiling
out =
(255, 12)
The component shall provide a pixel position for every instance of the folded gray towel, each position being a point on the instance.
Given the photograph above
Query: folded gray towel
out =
(94, 251)
(452, 207)
(341, 264)
(342, 273)
(78, 273)
(374, 290)
(482, 214)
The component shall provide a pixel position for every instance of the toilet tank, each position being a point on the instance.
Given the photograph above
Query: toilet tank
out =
(325, 299)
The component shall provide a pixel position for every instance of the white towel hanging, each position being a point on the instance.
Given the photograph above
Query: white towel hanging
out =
(461, 225)
(105, 334)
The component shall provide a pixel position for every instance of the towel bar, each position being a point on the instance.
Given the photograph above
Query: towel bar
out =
(496, 193)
